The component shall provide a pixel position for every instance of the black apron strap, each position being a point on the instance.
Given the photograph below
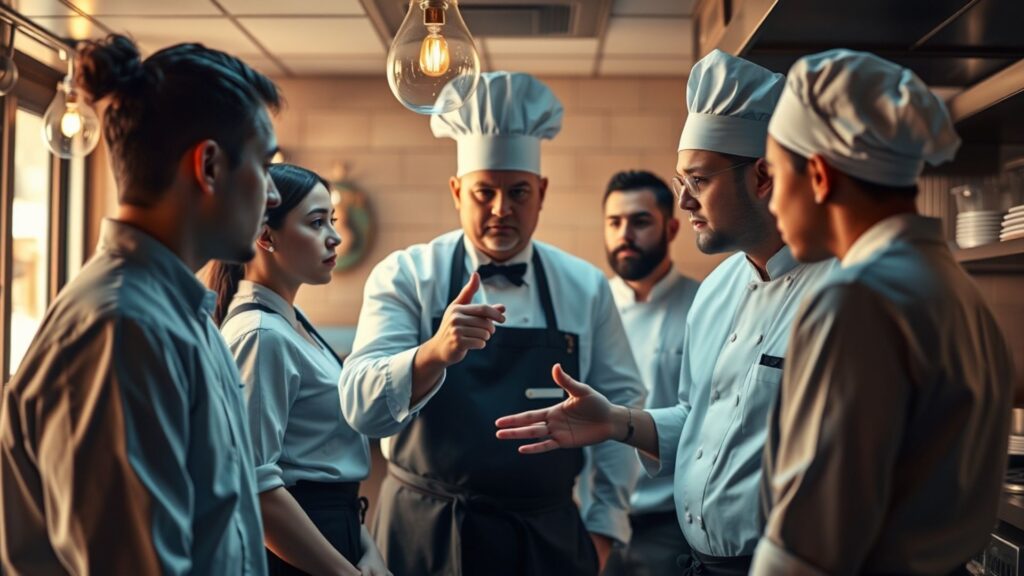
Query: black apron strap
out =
(249, 306)
(455, 281)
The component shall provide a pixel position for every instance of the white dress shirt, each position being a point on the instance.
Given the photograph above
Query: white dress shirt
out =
(656, 329)
(714, 436)
(123, 442)
(409, 288)
(892, 429)
(291, 391)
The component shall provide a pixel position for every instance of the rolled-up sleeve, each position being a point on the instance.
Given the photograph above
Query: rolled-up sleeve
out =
(612, 372)
(271, 385)
(844, 401)
(376, 382)
(111, 405)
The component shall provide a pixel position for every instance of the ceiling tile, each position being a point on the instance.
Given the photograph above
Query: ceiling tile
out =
(336, 66)
(147, 8)
(155, 33)
(653, 7)
(527, 46)
(315, 36)
(32, 8)
(294, 7)
(632, 66)
(261, 63)
(544, 64)
(656, 36)
(75, 27)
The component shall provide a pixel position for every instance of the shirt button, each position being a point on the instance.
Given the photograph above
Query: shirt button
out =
(714, 395)
(700, 522)
(789, 279)
(760, 338)
(733, 337)
(700, 452)
(689, 518)
(752, 287)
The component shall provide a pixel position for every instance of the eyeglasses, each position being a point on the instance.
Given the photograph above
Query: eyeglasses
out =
(691, 185)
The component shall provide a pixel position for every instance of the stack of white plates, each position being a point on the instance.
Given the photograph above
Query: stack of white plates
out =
(1016, 446)
(978, 227)
(1013, 224)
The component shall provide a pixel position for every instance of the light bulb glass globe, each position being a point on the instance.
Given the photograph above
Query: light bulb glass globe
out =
(8, 75)
(71, 128)
(433, 66)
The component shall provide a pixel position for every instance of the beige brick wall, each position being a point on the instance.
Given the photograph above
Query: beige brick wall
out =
(391, 155)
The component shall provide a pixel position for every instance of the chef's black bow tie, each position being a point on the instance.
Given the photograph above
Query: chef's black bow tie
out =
(513, 272)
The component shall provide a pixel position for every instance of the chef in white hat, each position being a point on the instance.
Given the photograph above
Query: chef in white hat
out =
(468, 327)
(737, 327)
(887, 450)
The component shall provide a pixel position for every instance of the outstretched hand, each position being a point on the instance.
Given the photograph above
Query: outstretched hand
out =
(583, 419)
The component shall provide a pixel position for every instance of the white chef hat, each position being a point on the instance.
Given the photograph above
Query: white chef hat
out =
(730, 101)
(500, 127)
(867, 116)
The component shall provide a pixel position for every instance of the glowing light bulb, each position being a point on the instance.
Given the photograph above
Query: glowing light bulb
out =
(434, 57)
(433, 66)
(71, 123)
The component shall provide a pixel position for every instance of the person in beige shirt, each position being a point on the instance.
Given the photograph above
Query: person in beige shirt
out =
(888, 443)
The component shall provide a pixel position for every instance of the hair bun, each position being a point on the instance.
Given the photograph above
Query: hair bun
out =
(111, 66)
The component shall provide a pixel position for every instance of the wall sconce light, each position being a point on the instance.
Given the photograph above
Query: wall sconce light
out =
(433, 50)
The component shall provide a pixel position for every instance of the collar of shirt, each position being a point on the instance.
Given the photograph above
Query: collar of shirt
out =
(901, 226)
(252, 292)
(625, 296)
(778, 265)
(476, 259)
(132, 243)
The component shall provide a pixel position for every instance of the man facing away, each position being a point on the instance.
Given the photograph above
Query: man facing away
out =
(123, 442)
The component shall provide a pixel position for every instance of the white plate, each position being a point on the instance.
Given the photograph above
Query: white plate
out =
(1012, 221)
(971, 217)
(980, 213)
(1016, 209)
(1012, 236)
(1013, 228)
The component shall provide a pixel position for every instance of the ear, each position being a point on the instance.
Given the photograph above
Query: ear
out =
(762, 180)
(265, 239)
(673, 228)
(205, 165)
(542, 189)
(455, 185)
(822, 178)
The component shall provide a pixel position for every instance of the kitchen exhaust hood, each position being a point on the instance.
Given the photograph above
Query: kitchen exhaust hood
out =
(975, 47)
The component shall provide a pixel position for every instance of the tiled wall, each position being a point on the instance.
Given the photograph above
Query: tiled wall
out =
(391, 155)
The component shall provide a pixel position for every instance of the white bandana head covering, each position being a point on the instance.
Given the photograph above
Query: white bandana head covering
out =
(729, 101)
(868, 117)
(500, 127)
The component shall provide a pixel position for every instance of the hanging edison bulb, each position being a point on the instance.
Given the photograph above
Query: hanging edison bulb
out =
(71, 128)
(433, 65)
(8, 69)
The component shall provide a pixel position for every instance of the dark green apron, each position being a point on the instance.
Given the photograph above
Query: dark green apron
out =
(458, 501)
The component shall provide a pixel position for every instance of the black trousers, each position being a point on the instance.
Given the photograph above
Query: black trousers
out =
(336, 510)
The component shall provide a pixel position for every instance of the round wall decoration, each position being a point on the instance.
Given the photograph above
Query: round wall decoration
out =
(354, 225)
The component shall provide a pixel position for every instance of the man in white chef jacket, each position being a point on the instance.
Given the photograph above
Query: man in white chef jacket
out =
(653, 299)
(454, 332)
(887, 451)
(737, 330)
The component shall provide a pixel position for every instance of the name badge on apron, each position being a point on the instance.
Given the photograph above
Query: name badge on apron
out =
(544, 393)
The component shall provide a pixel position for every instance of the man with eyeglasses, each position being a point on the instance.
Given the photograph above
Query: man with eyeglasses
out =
(736, 332)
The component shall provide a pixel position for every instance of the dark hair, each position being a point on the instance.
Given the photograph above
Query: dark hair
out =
(637, 180)
(167, 103)
(294, 183)
(876, 191)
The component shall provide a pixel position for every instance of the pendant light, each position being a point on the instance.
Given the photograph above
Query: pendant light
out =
(433, 66)
(71, 128)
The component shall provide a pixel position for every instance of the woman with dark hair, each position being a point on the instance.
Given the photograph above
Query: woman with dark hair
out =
(309, 462)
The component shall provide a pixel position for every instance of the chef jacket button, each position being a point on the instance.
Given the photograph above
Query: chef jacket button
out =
(526, 318)
(789, 279)
(689, 518)
(733, 337)
(760, 338)
(737, 399)
(714, 395)
(752, 286)
(700, 522)
(700, 452)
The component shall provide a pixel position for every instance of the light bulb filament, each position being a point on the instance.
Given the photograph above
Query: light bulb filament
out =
(71, 123)
(434, 57)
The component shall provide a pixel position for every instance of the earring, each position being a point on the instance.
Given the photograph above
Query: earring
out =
(270, 248)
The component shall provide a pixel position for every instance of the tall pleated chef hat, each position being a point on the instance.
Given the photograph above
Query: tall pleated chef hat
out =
(866, 116)
(501, 126)
(730, 101)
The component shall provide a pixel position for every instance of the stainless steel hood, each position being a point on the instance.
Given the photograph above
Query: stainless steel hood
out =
(973, 45)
